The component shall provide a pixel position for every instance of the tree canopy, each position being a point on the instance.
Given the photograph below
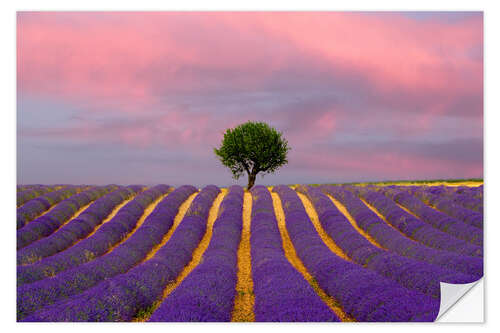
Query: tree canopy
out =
(252, 147)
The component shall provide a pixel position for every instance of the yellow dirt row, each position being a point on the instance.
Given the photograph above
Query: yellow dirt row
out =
(80, 211)
(382, 217)
(202, 246)
(299, 266)
(55, 205)
(177, 220)
(76, 214)
(149, 209)
(245, 300)
(197, 254)
(313, 216)
(468, 183)
(406, 209)
(41, 214)
(183, 208)
(351, 219)
(109, 217)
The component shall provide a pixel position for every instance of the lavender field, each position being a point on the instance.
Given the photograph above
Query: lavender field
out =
(325, 253)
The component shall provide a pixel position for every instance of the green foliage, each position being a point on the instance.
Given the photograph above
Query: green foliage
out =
(252, 147)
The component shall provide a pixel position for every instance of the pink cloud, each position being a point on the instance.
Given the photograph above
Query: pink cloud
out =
(384, 164)
(110, 55)
(325, 123)
(131, 64)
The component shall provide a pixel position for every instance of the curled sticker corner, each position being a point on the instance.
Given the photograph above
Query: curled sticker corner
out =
(451, 293)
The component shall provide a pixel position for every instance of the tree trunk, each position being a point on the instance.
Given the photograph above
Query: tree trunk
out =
(251, 180)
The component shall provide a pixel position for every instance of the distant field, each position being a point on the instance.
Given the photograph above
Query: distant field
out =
(435, 182)
(331, 252)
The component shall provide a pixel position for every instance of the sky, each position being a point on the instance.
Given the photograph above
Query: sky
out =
(144, 97)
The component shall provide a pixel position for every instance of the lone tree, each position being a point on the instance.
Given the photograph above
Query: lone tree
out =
(252, 147)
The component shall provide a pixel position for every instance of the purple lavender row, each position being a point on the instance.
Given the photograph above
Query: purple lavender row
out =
(20, 188)
(136, 188)
(473, 191)
(413, 227)
(467, 199)
(109, 234)
(37, 206)
(454, 191)
(78, 228)
(46, 224)
(31, 193)
(449, 207)
(469, 202)
(122, 297)
(120, 260)
(362, 293)
(422, 232)
(404, 264)
(436, 218)
(207, 293)
(281, 292)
